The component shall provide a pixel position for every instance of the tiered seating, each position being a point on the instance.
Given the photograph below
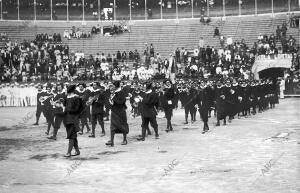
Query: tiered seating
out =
(166, 35)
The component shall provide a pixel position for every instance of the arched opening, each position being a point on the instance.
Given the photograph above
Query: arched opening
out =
(271, 73)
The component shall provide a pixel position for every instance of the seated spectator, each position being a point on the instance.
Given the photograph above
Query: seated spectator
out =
(103, 57)
(217, 32)
(94, 30)
(260, 37)
(4, 36)
(229, 41)
(218, 69)
(67, 34)
(119, 56)
(124, 55)
(59, 73)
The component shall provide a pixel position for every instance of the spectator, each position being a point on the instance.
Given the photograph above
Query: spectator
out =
(278, 33)
(217, 32)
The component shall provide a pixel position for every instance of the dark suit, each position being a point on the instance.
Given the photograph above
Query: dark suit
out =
(39, 107)
(187, 102)
(168, 106)
(58, 112)
(98, 112)
(149, 106)
(72, 108)
(221, 104)
(203, 101)
(86, 114)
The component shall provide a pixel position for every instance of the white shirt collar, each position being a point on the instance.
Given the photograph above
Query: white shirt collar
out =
(118, 89)
(148, 91)
(72, 95)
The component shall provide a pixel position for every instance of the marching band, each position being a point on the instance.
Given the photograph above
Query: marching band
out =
(226, 98)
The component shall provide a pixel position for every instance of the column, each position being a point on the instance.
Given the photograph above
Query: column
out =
(99, 11)
(18, 9)
(176, 9)
(255, 7)
(82, 10)
(129, 9)
(51, 9)
(161, 11)
(34, 9)
(272, 6)
(145, 9)
(192, 9)
(289, 6)
(114, 10)
(240, 12)
(1, 10)
(207, 8)
(67, 10)
(224, 8)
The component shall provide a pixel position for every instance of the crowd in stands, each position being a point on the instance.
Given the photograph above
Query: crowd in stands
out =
(3, 36)
(115, 30)
(44, 37)
(30, 61)
(46, 59)
(110, 30)
(294, 21)
(76, 33)
(105, 30)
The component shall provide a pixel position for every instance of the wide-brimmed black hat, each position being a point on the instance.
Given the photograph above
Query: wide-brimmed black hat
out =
(148, 85)
(48, 85)
(116, 84)
(71, 88)
(60, 84)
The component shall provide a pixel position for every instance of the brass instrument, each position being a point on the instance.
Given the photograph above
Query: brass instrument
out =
(111, 97)
(92, 99)
(161, 89)
(3, 97)
(57, 103)
(45, 98)
(136, 101)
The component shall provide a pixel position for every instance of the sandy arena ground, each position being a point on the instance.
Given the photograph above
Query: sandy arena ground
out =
(255, 154)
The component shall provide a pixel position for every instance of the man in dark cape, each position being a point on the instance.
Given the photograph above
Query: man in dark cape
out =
(73, 107)
(118, 122)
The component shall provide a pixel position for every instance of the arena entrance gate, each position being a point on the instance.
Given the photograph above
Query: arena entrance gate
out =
(263, 62)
